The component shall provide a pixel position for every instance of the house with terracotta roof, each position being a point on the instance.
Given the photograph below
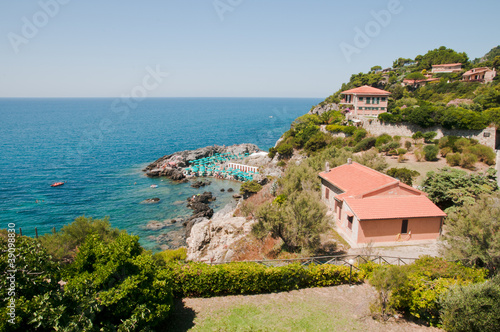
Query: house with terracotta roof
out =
(366, 100)
(482, 74)
(369, 206)
(447, 68)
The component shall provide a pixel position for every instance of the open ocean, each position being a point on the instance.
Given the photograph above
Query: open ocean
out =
(99, 147)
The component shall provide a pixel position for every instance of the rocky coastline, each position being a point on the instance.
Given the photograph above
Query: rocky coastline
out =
(207, 234)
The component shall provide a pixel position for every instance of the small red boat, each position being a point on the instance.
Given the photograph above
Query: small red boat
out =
(57, 184)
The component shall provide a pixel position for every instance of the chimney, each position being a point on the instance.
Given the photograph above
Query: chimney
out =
(349, 161)
(327, 167)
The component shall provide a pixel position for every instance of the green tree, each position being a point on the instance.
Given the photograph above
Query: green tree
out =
(431, 152)
(453, 187)
(298, 221)
(117, 286)
(472, 307)
(473, 232)
(404, 175)
(249, 188)
(62, 244)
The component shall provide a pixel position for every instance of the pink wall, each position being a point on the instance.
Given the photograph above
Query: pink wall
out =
(388, 229)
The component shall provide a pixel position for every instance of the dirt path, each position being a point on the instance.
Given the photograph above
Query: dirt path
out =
(341, 308)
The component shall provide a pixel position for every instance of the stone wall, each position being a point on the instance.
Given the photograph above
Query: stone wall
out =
(375, 127)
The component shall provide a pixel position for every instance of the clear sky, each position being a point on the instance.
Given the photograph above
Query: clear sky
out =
(223, 48)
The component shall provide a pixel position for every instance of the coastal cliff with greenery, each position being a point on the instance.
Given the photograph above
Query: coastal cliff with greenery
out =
(90, 276)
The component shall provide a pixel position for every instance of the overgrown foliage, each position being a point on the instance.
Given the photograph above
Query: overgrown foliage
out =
(249, 188)
(472, 307)
(473, 232)
(451, 187)
(62, 244)
(404, 175)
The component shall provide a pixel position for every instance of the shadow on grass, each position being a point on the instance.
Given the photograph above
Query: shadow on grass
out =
(181, 318)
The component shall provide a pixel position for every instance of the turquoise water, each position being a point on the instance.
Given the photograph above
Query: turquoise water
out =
(99, 146)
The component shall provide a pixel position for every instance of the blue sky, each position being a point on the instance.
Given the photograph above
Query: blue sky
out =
(222, 48)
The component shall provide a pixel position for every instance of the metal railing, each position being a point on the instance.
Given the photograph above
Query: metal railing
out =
(346, 260)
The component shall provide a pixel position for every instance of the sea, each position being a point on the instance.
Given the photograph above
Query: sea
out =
(99, 146)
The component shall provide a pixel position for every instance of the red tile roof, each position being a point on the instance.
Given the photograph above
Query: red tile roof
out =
(373, 195)
(476, 71)
(447, 64)
(396, 207)
(366, 90)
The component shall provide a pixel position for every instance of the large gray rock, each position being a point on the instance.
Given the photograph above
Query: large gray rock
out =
(320, 109)
(211, 240)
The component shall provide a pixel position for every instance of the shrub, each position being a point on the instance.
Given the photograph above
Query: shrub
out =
(202, 280)
(461, 144)
(349, 130)
(484, 154)
(472, 307)
(169, 256)
(272, 152)
(317, 142)
(359, 134)
(62, 244)
(365, 144)
(404, 175)
(383, 139)
(429, 136)
(285, 150)
(249, 188)
(419, 154)
(408, 145)
(418, 135)
(454, 159)
(281, 163)
(468, 160)
(431, 152)
(389, 146)
(397, 138)
(445, 151)
(401, 151)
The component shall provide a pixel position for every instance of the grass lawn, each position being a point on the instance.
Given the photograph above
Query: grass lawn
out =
(340, 308)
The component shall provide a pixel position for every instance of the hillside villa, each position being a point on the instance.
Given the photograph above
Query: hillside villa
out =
(366, 100)
(369, 206)
(482, 74)
(447, 68)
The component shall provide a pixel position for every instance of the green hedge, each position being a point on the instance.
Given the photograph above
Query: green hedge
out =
(203, 280)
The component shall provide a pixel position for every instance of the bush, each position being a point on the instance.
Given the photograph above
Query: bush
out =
(365, 144)
(472, 307)
(249, 188)
(359, 134)
(418, 135)
(317, 142)
(484, 154)
(404, 175)
(419, 154)
(272, 152)
(454, 159)
(202, 280)
(389, 146)
(429, 136)
(383, 139)
(431, 152)
(169, 256)
(285, 150)
(445, 151)
(281, 163)
(468, 160)
(461, 144)
(408, 145)
(401, 151)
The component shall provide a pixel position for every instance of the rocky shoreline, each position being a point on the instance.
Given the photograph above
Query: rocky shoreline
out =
(207, 234)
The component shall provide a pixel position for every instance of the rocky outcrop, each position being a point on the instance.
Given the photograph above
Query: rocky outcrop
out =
(320, 109)
(171, 165)
(198, 184)
(211, 240)
(153, 200)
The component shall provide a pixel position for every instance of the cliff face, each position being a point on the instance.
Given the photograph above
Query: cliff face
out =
(210, 240)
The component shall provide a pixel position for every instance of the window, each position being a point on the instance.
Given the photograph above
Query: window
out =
(368, 99)
(404, 226)
(349, 222)
(383, 99)
(327, 193)
(360, 98)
